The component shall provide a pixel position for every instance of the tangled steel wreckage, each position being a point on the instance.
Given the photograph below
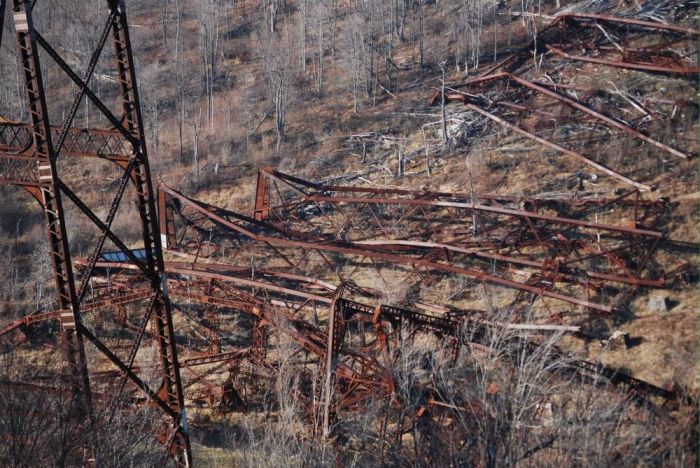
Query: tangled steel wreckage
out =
(328, 282)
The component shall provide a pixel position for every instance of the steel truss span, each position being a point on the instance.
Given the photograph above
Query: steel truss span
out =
(353, 346)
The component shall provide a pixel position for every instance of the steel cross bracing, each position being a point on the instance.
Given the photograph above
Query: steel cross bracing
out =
(205, 283)
(646, 45)
(358, 338)
(47, 193)
(427, 231)
(215, 286)
(29, 155)
(16, 141)
(386, 322)
(356, 335)
(298, 209)
(556, 222)
(293, 209)
(401, 223)
(301, 196)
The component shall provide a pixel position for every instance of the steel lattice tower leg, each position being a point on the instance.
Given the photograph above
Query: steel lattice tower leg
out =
(141, 177)
(48, 193)
(37, 171)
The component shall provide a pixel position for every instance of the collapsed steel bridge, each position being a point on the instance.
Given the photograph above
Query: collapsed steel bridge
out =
(322, 236)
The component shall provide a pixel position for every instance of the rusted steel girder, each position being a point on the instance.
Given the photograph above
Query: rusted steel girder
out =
(278, 313)
(215, 358)
(325, 199)
(595, 114)
(131, 296)
(562, 270)
(304, 189)
(335, 336)
(273, 236)
(315, 192)
(42, 169)
(581, 23)
(561, 149)
(357, 316)
(354, 369)
(347, 312)
(455, 328)
(646, 66)
(493, 209)
(634, 59)
(631, 22)
(16, 141)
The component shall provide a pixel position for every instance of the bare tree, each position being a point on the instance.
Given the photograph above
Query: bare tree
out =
(271, 10)
(196, 122)
(443, 101)
(275, 53)
(40, 425)
(304, 8)
(210, 32)
(356, 48)
(321, 18)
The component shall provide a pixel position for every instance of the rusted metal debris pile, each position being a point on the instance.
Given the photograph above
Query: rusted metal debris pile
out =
(333, 280)
(339, 234)
(343, 234)
(336, 329)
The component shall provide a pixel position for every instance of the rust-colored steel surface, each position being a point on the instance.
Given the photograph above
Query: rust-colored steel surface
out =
(349, 374)
(638, 45)
(530, 94)
(553, 233)
(294, 218)
(476, 99)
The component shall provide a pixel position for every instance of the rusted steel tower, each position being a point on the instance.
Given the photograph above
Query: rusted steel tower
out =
(29, 158)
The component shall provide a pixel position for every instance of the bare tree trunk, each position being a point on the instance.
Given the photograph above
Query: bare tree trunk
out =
(421, 31)
(443, 111)
(276, 56)
(302, 33)
(279, 115)
(180, 79)
(399, 157)
(427, 155)
(196, 132)
(320, 19)
(334, 20)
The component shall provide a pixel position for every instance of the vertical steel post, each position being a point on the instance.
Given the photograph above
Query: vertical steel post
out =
(262, 198)
(37, 172)
(336, 334)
